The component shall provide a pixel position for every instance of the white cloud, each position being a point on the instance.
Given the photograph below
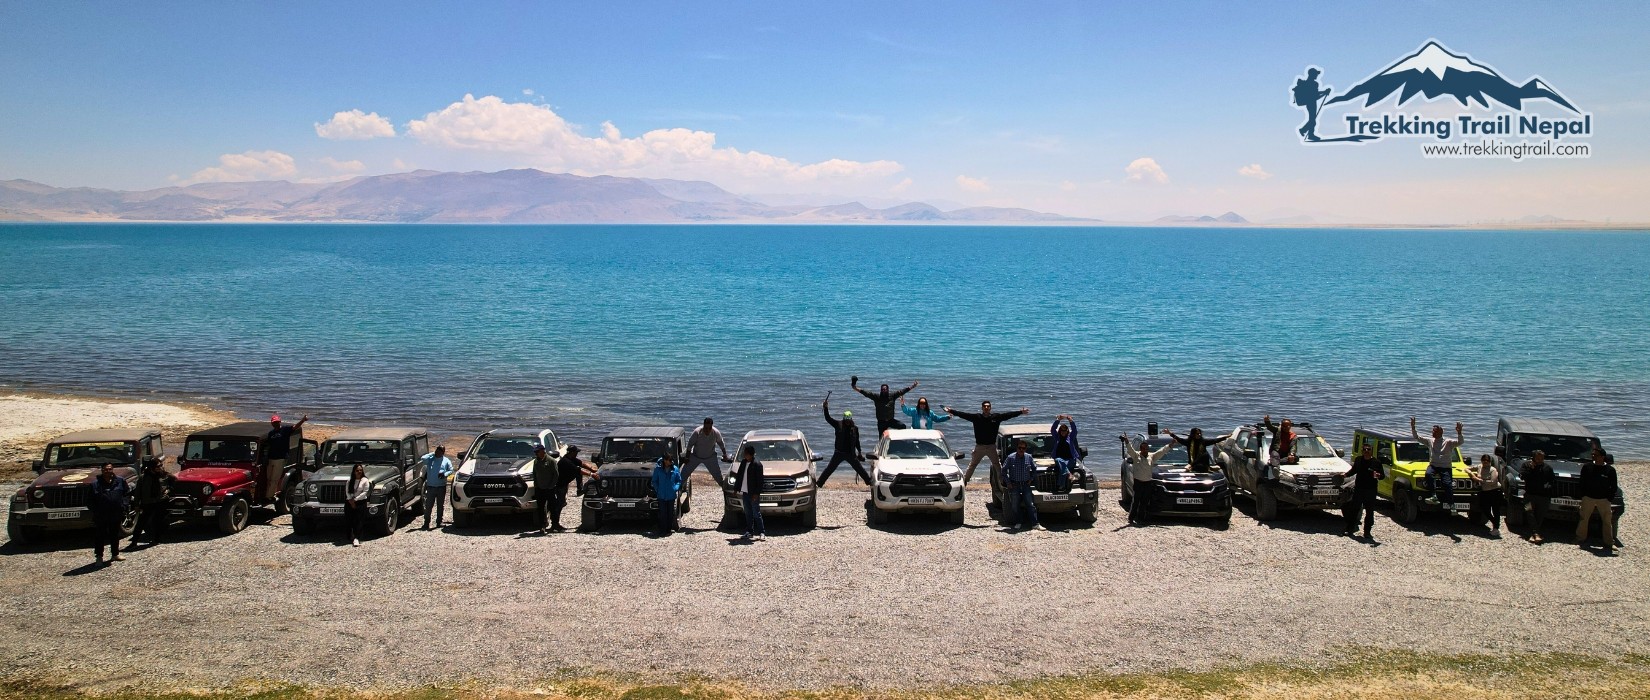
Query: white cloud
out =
(972, 184)
(343, 166)
(401, 164)
(527, 91)
(1068, 186)
(251, 165)
(902, 186)
(1255, 171)
(355, 125)
(1146, 170)
(544, 139)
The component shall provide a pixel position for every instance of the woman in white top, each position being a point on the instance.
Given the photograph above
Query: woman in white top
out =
(1489, 491)
(355, 502)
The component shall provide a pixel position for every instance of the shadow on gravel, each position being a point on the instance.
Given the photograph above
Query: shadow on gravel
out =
(84, 569)
(51, 542)
(1305, 522)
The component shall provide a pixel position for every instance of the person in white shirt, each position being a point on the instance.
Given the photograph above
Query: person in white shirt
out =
(1489, 491)
(1441, 462)
(1141, 466)
(703, 445)
(355, 502)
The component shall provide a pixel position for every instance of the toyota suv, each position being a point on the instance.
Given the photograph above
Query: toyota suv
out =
(787, 478)
(392, 459)
(1082, 498)
(623, 487)
(1178, 490)
(1567, 445)
(57, 498)
(1314, 479)
(224, 473)
(1404, 461)
(495, 476)
(914, 471)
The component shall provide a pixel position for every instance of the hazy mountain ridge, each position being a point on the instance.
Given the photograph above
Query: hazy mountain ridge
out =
(508, 196)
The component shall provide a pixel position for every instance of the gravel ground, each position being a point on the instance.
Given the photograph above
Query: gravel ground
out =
(916, 603)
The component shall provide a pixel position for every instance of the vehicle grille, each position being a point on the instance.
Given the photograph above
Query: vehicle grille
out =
(780, 484)
(924, 485)
(330, 493)
(70, 497)
(496, 486)
(1319, 479)
(626, 486)
(1046, 481)
(1562, 488)
(181, 502)
(1186, 487)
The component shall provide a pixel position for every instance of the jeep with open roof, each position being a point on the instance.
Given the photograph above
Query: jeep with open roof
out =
(1082, 497)
(1178, 489)
(225, 472)
(57, 498)
(1404, 461)
(787, 478)
(495, 475)
(623, 487)
(392, 460)
(1311, 477)
(1567, 445)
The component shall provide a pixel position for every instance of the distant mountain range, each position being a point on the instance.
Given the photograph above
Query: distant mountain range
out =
(427, 196)
(1230, 217)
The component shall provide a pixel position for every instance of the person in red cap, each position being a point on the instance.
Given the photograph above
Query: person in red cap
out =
(278, 444)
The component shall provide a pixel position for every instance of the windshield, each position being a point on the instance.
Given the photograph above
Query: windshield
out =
(1309, 446)
(1174, 457)
(1417, 452)
(1570, 448)
(776, 450)
(634, 449)
(505, 448)
(363, 451)
(1038, 445)
(915, 449)
(237, 450)
(89, 454)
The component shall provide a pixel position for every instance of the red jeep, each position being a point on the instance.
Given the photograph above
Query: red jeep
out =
(225, 472)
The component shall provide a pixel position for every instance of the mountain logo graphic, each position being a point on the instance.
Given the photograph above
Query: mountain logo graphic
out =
(1434, 71)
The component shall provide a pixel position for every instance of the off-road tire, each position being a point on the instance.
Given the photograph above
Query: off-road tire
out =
(283, 503)
(1405, 508)
(1086, 514)
(1224, 523)
(590, 519)
(21, 535)
(1514, 512)
(958, 516)
(877, 516)
(462, 518)
(810, 518)
(389, 515)
(302, 525)
(233, 516)
(1266, 505)
(732, 519)
(128, 524)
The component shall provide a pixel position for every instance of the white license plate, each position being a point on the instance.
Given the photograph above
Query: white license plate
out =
(626, 505)
(177, 513)
(1326, 491)
(1462, 506)
(1576, 503)
(486, 501)
(332, 511)
(68, 515)
(209, 511)
(921, 501)
(1056, 497)
(770, 499)
(1189, 501)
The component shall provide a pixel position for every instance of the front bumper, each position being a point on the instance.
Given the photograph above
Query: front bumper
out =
(611, 507)
(53, 519)
(1565, 508)
(1305, 496)
(185, 508)
(1062, 502)
(884, 499)
(466, 502)
(788, 503)
(318, 510)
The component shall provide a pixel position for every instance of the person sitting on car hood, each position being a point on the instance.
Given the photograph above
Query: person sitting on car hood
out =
(1063, 447)
(1197, 448)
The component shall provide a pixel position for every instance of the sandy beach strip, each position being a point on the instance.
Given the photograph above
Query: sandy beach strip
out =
(29, 419)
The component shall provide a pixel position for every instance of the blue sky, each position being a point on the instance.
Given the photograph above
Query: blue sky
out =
(1043, 105)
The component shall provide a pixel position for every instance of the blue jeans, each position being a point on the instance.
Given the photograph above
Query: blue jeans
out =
(753, 515)
(1443, 486)
(1028, 506)
(1065, 466)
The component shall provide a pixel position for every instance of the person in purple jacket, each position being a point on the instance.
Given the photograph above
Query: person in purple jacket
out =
(1063, 447)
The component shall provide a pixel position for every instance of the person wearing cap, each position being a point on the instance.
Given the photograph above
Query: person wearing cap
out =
(847, 447)
(278, 445)
(703, 445)
(437, 469)
(545, 478)
(1017, 471)
(568, 469)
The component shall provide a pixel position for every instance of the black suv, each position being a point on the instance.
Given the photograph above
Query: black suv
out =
(623, 487)
(1177, 490)
(1567, 445)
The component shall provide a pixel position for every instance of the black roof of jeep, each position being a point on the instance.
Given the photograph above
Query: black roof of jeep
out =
(667, 432)
(1542, 426)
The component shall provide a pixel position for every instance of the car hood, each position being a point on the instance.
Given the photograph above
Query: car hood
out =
(926, 465)
(216, 476)
(626, 469)
(1563, 469)
(496, 466)
(792, 468)
(339, 472)
(1317, 466)
(76, 477)
(1181, 474)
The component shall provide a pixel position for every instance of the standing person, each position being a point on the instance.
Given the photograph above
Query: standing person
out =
(111, 500)
(1598, 486)
(355, 502)
(546, 475)
(1197, 448)
(153, 489)
(703, 445)
(884, 401)
(1441, 464)
(1141, 466)
(278, 444)
(847, 447)
(667, 479)
(568, 469)
(1489, 491)
(749, 480)
(1539, 485)
(1017, 469)
(921, 417)
(1064, 449)
(1365, 474)
(1283, 446)
(986, 427)
(437, 469)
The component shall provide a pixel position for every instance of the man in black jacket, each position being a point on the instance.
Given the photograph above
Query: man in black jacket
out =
(153, 488)
(568, 470)
(884, 401)
(1366, 471)
(986, 427)
(1598, 486)
(1539, 484)
(545, 479)
(847, 447)
(748, 483)
(111, 500)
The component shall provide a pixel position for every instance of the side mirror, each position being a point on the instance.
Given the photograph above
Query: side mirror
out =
(1081, 452)
(1251, 454)
(959, 455)
(39, 466)
(1386, 459)
(597, 460)
(553, 455)
(871, 457)
(462, 455)
(814, 457)
(1340, 453)
(1500, 451)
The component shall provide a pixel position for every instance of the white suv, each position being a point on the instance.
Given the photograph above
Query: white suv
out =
(914, 470)
(495, 476)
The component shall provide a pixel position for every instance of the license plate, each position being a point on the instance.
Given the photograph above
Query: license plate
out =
(1566, 502)
(68, 515)
(1462, 506)
(486, 501)
(921, 501)
(1326, 491)
(209, 511)
(1189, 501)
(770, 499)
(332, 511)
(626, 505)
(177, 513)
(1056, 497)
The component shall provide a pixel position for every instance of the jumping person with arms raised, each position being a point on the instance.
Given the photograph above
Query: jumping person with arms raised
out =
(884, 401)
(986, 427)
(923, 418)
(846, 448)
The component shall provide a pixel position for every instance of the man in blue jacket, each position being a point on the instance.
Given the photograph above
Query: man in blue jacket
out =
(437, 467)
(111, 500)
(1063, 447)
(667, 480)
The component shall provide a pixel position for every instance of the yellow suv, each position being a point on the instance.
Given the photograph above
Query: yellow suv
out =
(1404, 461)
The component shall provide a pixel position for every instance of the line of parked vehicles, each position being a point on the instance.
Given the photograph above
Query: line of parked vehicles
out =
(224, 472)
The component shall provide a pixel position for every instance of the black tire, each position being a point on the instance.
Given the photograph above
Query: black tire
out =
(128, 524)
(1266, 505)
(389, 516)
(462, 518)
(1086, 514)
(302, 525)
(1224, 523)
(1514, 512)
(21, 535)
(877, 515)
(958, 516)
(590, 519)
(810, 519)
(732, 519)
(1405, 508)
(233, 516)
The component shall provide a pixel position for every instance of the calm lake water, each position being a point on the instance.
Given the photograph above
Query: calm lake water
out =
(587, 328)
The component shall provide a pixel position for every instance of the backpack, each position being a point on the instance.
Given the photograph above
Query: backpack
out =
(1306, 93)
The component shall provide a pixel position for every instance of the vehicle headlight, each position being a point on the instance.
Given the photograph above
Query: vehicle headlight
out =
(206, 490)
(885, 477)
(312, 488)
(19, 497)
(377, 488)
(462, 476)
(39, 493)
(953, 476)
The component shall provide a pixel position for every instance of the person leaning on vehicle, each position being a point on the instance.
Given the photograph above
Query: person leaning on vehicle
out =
(278, 443)
(1365, 473)
(1197, 448)
(111, 500)
(922, 418)
(1598, 486)
(356, 492)
(1017, 469)
(1489, 491)
(568, 469)
(436, 470)
(847, 447)
(1539, 485)
(986, 427)
(1441, 463)
(153, 489)
(1141, 466)
(667, 479)
(749, 480)
(884, 401)
(545, 477)
(703, 444)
